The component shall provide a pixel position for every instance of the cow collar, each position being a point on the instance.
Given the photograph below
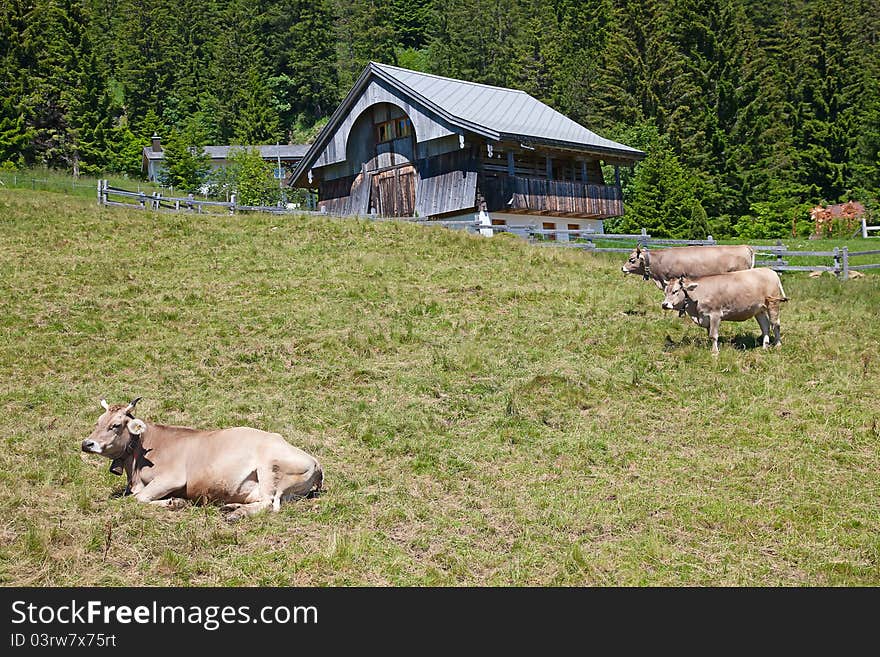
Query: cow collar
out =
(647, 262)
(688, 299)
(117, 465)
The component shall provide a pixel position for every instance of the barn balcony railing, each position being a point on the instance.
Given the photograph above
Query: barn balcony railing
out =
(523, 194)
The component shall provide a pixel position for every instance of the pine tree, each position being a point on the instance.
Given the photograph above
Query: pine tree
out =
(238, 59)
(364, 33)
(89, 118)
(126, 153)
(711, 38)
(698, 226)
(411, 22)
(639, 77)
(583, 33)
(476, 40)
(257, 122)
(186, 164)
(537, 47)
(16, 133)
(144, 68)
(660, 197)
(303, 60)
(54, 36)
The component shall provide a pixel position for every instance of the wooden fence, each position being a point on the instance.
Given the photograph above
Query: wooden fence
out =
(774, 256)
(866, 228)
(113, 196)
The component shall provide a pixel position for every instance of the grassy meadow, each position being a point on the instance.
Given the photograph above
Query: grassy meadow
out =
(487, 412)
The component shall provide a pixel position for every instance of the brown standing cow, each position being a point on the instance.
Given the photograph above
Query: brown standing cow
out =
(245, 469)
(662, 265)
(735, 297)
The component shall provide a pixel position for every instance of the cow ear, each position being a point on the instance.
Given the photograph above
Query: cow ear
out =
(136, 427)
(690, 287)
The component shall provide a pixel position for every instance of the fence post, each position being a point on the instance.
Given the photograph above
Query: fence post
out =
(836, 261)
(710, 239)
(846, 263)
(779, 253)
(864, 227)
(142, 199)
(99, 191)
(232, 204)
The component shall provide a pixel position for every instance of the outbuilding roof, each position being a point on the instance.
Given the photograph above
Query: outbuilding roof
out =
(267, 152)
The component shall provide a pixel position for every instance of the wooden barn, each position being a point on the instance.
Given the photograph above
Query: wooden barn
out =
(410, 144)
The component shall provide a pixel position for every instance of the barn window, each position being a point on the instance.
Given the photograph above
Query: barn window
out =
(385, 131)
(549, 225)
(404, 128)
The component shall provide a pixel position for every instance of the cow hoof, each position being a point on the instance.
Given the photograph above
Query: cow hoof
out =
(229, 508)
(176, 503)
(234, 516)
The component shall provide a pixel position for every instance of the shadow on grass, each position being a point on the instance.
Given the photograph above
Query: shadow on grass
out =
(740, 341)
(119, 491)
(122, 491)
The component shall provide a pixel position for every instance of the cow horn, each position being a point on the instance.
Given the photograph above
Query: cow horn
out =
(105, 405)
(132, 404)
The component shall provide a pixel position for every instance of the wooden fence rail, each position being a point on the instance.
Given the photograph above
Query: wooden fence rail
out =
(774, 255)
(866, 228)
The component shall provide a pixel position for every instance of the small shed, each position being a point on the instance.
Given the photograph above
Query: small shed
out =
(410, 144)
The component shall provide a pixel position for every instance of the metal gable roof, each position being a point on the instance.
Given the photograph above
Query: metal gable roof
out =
(492, 112)
(505, 112)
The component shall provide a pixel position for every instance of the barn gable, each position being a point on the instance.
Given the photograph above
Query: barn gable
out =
(406, 143)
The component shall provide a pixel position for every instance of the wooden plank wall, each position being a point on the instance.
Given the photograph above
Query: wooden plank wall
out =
(447, 183)
(345, 196)
(551, 196)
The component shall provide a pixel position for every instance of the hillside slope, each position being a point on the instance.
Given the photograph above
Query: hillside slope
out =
(487, 412)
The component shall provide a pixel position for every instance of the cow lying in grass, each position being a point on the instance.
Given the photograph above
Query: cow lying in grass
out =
(245, 469)
(735, 297)
(663, 265)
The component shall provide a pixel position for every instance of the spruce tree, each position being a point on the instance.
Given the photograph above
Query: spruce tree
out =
(303, 60)
(364, 33)
(185, 164)
(698, 226)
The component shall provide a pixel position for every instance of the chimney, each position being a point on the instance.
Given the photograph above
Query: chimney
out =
(157, 148)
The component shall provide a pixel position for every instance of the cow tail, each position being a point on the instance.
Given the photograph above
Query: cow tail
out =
(752, 253)
(319, 477)
(782, 293)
